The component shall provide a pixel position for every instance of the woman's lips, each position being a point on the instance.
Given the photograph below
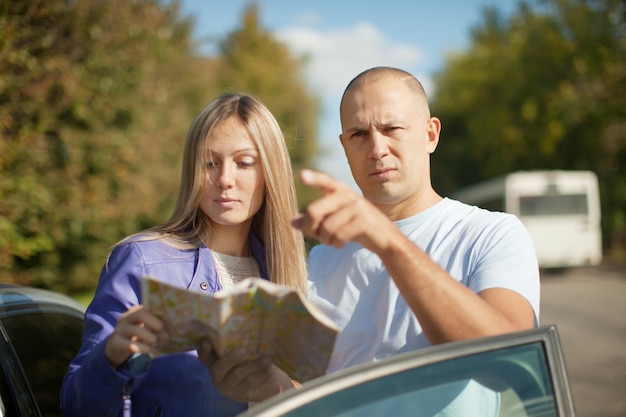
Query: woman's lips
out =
(226, 202)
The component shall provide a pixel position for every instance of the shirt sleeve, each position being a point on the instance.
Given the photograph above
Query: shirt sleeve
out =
(505, 257)
(92, 386)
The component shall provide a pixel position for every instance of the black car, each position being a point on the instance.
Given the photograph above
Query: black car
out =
(40, 334)
(524, 372)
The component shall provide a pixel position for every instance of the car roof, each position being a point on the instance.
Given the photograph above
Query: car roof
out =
(21, 298)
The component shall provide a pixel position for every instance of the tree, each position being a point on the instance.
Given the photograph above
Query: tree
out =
(543, 89)
(95, 101)
(91, 130)
(253, 61)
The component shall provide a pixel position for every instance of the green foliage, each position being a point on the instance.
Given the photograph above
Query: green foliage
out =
(87, 111)
(95, 101)
(543, 89)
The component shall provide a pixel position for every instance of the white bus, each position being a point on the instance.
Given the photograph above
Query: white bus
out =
(560, 209)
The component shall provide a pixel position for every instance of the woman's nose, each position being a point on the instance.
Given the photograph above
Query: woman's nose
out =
(226, 177)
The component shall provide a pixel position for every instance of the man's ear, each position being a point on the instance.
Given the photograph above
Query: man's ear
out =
(434, 129)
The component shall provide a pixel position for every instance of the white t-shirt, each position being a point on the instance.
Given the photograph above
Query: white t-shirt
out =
(479, 248)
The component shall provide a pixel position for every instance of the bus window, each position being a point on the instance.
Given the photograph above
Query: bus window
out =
(553, 205)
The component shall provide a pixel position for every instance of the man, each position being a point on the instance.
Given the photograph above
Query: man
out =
(401, 267)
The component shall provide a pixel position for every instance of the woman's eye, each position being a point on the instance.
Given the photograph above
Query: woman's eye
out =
(211, 164)
(246, 163)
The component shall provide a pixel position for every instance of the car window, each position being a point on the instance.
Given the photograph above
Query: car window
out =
(473, 400)
(14, 391)
(507, 378)
(462, 398)
(45, 344)
(471, 385)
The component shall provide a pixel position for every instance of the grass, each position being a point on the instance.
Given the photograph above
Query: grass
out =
(84, 298)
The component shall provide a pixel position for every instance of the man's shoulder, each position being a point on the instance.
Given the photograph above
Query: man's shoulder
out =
(454, 221)
(455, 209)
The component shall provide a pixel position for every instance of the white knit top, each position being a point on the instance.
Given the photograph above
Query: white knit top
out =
(233, 269)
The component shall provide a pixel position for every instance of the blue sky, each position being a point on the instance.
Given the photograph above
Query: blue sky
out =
(345, 37)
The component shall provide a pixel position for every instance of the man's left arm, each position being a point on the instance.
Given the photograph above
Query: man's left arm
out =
(446, 309)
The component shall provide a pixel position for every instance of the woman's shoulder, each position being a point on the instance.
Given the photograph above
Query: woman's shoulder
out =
(152, 249)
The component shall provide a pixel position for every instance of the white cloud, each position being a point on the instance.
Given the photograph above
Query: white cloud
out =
(337, 55)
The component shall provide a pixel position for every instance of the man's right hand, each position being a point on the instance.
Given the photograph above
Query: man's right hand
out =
(341, 215)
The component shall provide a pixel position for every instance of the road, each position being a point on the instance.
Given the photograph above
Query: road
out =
(588, 305)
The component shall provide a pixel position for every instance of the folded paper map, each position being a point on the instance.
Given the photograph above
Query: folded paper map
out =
(262, 317)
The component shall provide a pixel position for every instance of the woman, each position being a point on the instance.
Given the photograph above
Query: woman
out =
(231, 220)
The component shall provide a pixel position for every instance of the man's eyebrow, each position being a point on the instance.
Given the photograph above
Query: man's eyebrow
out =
(353, 129)
(356, 129)
(391, 122)
(385, 123)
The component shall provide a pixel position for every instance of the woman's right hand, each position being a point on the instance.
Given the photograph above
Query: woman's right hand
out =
(135, 332)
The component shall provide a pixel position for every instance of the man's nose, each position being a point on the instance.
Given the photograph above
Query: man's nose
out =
(378, 145)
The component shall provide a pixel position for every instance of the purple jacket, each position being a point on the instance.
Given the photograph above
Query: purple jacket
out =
(176, 384)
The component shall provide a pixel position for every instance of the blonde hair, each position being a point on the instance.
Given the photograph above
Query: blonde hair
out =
(187, 227)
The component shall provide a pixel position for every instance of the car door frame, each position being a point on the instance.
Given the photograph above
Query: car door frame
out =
(547, 336)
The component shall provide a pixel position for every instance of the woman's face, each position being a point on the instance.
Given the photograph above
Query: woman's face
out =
(233, 187)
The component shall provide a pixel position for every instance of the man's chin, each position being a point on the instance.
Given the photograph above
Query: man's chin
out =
(382, 192)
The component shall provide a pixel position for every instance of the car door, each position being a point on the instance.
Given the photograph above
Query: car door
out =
(16, 398)
(517, 374)
(40, 332)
